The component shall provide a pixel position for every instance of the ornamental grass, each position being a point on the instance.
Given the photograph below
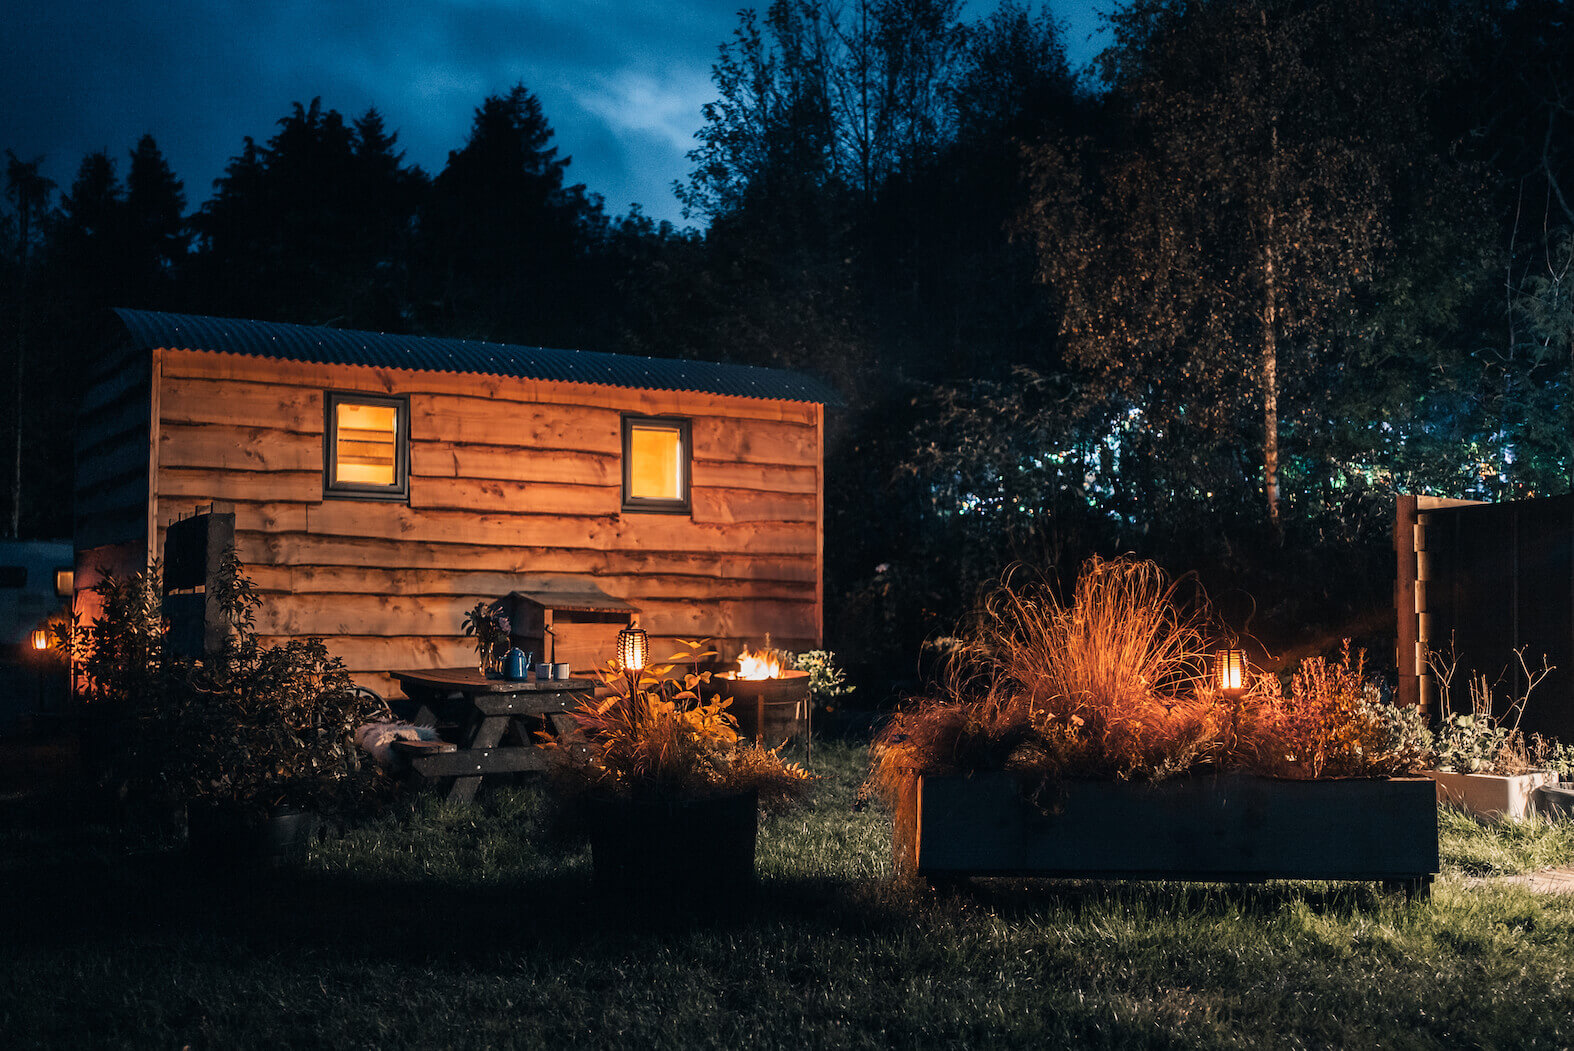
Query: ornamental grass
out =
(1116, 685)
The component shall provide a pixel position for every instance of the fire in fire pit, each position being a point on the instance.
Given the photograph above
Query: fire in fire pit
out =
(771, 703)
(755, 666)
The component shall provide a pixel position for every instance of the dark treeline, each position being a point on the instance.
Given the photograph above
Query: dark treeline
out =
(1282, 259)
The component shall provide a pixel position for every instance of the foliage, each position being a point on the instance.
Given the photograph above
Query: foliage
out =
(657, 737)
(1103, 686)
(827, 682)
(1201, 250)
(250, 727)
(486, 623)
(1485, 739)
(1334, 723)
(1115, 684)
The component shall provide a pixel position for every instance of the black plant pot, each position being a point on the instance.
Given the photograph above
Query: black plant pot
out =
(232, 837)
(1555, 801)
(644, 848)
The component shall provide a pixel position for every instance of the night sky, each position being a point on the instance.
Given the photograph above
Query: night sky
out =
(622, 81)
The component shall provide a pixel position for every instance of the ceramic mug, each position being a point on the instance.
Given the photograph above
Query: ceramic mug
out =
(543, 672)
(560, 670)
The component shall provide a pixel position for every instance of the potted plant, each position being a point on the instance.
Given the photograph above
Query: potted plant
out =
(668, 790)
(1481, 761)
(255, 742)
(1089, 739)
(489, 627)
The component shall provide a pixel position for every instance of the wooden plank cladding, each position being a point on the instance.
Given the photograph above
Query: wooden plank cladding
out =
(509, 479)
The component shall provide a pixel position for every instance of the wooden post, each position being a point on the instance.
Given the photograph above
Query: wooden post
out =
(1407, 651)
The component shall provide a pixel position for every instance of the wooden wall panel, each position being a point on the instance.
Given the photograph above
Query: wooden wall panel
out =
(244, 368)
(266, 406)
(300, 549)
(446, 459)
(221, 446)
(510, 480)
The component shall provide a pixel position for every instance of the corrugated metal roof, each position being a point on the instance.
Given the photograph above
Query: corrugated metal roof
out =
(335, 346)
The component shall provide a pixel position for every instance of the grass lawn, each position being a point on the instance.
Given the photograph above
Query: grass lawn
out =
(462, 927)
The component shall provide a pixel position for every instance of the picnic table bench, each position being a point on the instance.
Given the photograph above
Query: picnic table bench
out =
(478, 713)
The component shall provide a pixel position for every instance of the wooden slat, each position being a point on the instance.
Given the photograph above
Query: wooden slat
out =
(438, 616)
(113, 463)
(256, 487)
(528, 703)
(647, 532)
(761, 442)
(152, 414)
(108, 528)
(284, 548)
(819, 528)
(748, 505)
(534, 498)
(311, 579)
(446, 459)
(113, 426)
(472, 761)
(244, 368)
(487, 421)
(240, 404)
(769, 478)
(221, 446)
(132, 492)
(123, 384)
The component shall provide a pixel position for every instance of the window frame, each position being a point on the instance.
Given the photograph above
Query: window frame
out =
(647, 505)
(332, 488)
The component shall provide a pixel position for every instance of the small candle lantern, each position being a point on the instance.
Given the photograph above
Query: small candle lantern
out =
(40, 639)
(633, 648)
(1229, 671)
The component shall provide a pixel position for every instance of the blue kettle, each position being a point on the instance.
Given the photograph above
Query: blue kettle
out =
(516, 665)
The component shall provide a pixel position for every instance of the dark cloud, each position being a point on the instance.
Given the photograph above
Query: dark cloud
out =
(622, 81)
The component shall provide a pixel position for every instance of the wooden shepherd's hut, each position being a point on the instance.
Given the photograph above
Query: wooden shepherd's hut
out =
(381, 485)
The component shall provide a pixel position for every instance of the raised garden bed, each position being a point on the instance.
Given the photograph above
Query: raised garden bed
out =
(1227, 828)
(1495, 797)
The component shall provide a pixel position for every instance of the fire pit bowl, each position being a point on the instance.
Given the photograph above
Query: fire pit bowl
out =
(769, 711)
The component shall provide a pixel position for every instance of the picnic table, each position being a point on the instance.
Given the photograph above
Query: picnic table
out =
(479, 713)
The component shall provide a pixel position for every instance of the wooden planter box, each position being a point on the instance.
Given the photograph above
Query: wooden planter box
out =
(1494, 797)
(1227, 828)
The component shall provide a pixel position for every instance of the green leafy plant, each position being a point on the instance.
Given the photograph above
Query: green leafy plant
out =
(249, 727)
(656, 737)
(1481, 741)
(827, 682)
(1334, 722)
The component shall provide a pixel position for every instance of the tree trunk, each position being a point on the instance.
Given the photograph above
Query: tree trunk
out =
(23, 215)
(1270, 379)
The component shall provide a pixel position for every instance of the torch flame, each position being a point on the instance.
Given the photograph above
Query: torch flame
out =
(762, 665)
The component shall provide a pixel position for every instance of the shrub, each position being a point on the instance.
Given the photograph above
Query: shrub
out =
(249, 727)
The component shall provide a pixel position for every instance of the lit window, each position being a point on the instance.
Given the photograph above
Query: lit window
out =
(655, 464)
(366, 446)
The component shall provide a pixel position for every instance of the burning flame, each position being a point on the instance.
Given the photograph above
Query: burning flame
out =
(762, 665)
